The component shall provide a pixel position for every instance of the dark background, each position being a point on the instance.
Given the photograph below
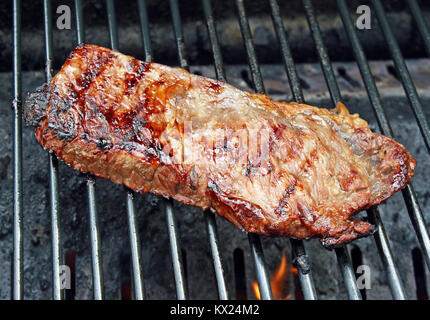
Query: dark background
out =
(196, 39)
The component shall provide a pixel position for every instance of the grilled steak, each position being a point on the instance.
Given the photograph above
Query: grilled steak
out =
(269, 167)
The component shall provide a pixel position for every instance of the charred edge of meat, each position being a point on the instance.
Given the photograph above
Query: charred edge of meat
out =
(34, 109)
(302, 263)
(331, 243)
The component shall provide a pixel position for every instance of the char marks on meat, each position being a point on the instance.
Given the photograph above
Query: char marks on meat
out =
(269, 167)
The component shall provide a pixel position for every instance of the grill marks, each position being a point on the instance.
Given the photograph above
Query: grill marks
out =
(125, 126)
(131, 123)
(98, 62)
(77, 94)
(281, 208)
(138, 69)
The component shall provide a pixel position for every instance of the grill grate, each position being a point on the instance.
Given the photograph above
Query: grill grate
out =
(131, 213)
(336, 97)
(409, 194)
(300, 256)
(17, 155)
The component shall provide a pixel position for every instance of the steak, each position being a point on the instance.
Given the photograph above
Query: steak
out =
(273, 168)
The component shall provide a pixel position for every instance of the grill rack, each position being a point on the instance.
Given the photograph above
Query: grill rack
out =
(299, 253)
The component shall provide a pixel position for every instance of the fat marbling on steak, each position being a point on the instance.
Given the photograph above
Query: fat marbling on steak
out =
(269, 167)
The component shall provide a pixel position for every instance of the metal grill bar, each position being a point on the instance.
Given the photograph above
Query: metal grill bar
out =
(53, 165)
(146, 39)
(380, 235)
(413, 206)
(17, 287)
(403, 71)
(211, 224)
(131, 211)
(209, 217)
(179, 34)
(421, 23)
(287, 56)
(96, 257)
(345, 265)
(216, 255)
(384, 249)
(322, 52)
(341, 253)
(92, 208)
(343, 258)
(175, 247)
(113, 34)
(138, 285)
(301, 260)
(213, 38)
(257, 80)
(80, 32)
(175, 250)
(264, 285)
(305, 276)
(91, 193)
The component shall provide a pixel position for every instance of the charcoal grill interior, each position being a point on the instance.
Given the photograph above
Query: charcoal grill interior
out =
(139, 241)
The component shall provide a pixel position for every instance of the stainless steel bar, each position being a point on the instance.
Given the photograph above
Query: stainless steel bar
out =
(175, 250)
(380, 236)
(345, 266)
(381, 239)
(144, 23)
(324, 59)
(209, 217)
(57, 293)
(17, 286)
(413, 206)
(138, 287)
(305, 275)
(264, 284)
(80, 32)
(344, 262)
(213, 38)
(211, 223)
(421, 23)
(216, 255)
(96, 256)
(287, 57)
(53, 167)
(179, 34)
(113, 33)
(257, 79)
(418, 222)
(301, 261)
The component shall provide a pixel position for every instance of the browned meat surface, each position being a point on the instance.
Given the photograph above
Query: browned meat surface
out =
(269, 167)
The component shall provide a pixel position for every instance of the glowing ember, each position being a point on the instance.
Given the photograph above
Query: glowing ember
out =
(278, 281)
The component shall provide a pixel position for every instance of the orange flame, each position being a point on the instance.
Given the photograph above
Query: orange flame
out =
(278, 281)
